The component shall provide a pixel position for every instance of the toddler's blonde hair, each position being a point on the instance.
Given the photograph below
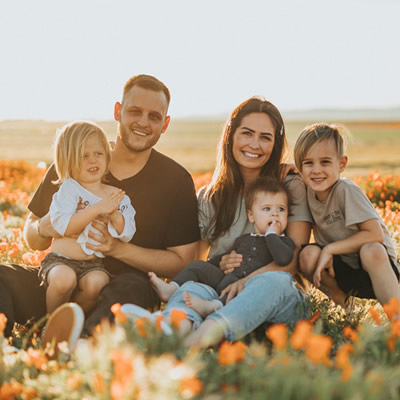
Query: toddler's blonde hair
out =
(69, 147)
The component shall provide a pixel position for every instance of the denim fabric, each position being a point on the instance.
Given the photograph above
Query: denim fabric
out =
(195, 289)
(268, 297)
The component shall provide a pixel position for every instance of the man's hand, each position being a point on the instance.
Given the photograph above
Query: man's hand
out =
(230, 261)
(46, 228)
(325, 262)
(104, 238)
(233, 289)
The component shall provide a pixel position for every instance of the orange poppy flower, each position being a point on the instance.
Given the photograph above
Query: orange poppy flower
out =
(9, 390)
(301, 334)
(190, 386)
(351, 334)
(391, 308)
(118, 314)
(177, 316)
(99, 383)
(318, 348)
(3, 323)
(35, 358)
(342, 355)
(277, 334)
(373, 312)
(231, 353)
(141, 325)
(74, 381)
(159, 319)
(123, 373)
(315, 317)
(395, 328)
(391, 343)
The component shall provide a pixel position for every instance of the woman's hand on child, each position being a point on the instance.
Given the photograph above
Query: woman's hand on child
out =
(287, 169)
(230, 261)
(325, 262)
(110, 203)
(233, 289)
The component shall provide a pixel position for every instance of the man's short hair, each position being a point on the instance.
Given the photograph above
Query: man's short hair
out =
(146, 82)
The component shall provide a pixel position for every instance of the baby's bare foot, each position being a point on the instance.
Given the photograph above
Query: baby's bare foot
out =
(203, 307)
(163, 289)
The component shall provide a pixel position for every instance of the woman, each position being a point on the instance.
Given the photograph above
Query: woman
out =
(253, 144)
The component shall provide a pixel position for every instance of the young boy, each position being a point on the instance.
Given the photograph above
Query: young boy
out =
(354, 254)
(267, 203)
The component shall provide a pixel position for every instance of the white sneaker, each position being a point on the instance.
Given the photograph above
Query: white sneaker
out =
(64, 324)
(134, 312)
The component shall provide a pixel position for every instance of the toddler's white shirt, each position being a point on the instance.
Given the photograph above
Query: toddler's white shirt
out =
(64, 205)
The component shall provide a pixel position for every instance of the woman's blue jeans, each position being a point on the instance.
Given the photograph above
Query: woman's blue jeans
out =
(268, 297)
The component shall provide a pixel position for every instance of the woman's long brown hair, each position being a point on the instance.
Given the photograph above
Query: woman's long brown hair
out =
(227, 183)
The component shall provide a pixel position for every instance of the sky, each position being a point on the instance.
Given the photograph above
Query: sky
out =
(64, 60)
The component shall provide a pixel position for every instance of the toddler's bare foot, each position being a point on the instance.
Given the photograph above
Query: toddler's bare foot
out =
(203, 307)
(163, 289)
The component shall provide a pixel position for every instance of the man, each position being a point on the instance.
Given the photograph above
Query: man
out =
(162, 193)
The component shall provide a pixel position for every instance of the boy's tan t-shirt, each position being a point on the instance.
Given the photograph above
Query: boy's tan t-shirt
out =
(336, 218)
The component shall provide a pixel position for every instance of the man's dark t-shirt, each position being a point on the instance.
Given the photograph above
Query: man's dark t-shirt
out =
(163, 196)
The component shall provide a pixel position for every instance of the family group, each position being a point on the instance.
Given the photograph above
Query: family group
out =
(124, 225)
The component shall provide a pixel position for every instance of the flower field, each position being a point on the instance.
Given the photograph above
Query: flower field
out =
(329, 356)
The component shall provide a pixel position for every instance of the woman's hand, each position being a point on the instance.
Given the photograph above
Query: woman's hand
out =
(286, 169)
(233, 289)
(230, 261)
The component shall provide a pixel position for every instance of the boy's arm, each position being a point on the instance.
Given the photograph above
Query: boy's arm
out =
(370, 231)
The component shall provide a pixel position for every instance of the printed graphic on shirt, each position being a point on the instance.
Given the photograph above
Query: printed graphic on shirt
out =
(333, 217)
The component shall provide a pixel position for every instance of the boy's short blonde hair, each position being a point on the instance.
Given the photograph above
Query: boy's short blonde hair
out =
(316, 133)
(70, 144)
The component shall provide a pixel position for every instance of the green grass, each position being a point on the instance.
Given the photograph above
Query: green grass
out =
(374, 145)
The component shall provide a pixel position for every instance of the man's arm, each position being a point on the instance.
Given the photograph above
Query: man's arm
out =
(166, 263)
(39, 233)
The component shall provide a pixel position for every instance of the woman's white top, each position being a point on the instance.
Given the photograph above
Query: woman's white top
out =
(65, 203)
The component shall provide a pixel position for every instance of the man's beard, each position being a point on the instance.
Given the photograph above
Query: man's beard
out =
(127, 138)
